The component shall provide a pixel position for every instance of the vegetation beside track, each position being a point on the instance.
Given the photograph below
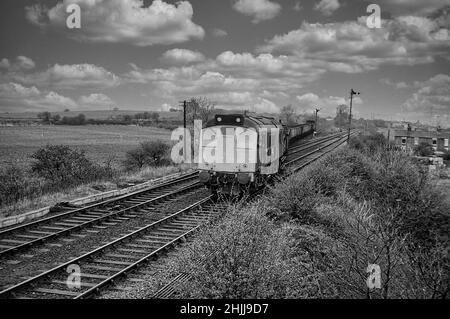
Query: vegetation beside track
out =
(59, 173)
(314, 234)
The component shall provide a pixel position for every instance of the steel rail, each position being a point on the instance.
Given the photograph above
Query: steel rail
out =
(103, 203)
(98, 219)
(11, 290)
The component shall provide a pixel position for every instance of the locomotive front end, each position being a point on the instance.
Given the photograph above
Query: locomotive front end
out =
(228, 154)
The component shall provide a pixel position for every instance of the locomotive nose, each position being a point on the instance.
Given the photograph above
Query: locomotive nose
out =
(243, 178)
(204, 177)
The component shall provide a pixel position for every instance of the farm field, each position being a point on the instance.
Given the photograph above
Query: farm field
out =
(100, 142)
(94, 114)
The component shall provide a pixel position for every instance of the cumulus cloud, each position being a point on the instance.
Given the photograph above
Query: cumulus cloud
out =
(327, 7)
(397, 85)
(15, 96)
(95, 100)
(260, 10)
(297, 6)
(432, 99)
(411, 7)
(182, 56)
(327, 105)
(265, 62)
(165, 107)
(22, 63)
(351, 47)
(219, 33)
(122, 21)
(266, 106)
(234, 80)
(69, 76)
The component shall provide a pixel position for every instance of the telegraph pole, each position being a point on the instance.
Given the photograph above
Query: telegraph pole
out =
(352, 92)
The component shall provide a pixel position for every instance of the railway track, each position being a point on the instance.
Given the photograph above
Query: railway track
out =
(105, 265)
(321, 147)
(102, 266)
(103, 214)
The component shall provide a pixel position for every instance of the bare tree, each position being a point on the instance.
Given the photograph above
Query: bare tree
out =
(199, 108)
(287, 114)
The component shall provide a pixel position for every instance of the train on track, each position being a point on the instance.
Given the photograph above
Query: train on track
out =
(239, 153)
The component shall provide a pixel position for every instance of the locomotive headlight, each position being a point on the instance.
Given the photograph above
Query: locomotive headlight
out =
(238, 120)
(243, 178)
(219, 119)
(204, 177)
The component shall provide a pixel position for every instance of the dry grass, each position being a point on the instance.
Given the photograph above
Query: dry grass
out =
(124, 180)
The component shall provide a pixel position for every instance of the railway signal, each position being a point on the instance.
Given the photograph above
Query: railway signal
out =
(317, 111)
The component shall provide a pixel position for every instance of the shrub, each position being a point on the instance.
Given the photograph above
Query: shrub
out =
(368, 143)
(80, 119)
(16, 185)
(446, 156)
(61, 164)
(244, 256)
(152, 153)
(423, 149)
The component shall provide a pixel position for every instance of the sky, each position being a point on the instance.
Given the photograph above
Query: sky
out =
(257, 55)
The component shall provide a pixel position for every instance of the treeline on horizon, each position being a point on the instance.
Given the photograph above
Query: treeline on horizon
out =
(143, 118)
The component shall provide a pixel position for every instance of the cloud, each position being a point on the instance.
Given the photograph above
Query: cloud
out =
(260, 10)
(351, 47)
(431, 100)
(397, 85)
(327, 105)
(22, 63)
(69, 77)
(411, 7)
(265, 62)
(297, 6)
(327, 7)
(182, 56)
(15, 96)
(233, 80)
(95, 100)
(219, 33)
(122, 21)
(165, 107)
(266, 106)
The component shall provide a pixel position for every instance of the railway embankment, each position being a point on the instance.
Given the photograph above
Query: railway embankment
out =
(363, 222)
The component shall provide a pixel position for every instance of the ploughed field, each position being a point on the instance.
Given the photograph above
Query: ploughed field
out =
(17, 143)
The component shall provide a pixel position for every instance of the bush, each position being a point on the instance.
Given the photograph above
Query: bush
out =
(76, 120)
(152, 153)
(244, 256)
(446, 156)
(61, 164)
(423, 149)
(368, 143)
(16, 185)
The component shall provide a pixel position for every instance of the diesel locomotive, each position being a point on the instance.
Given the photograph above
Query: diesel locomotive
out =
(242, 152)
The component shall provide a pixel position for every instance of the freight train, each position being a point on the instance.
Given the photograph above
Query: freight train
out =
(239, 153)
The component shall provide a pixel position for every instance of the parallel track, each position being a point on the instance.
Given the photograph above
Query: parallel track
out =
(111, 211)
(102, 266)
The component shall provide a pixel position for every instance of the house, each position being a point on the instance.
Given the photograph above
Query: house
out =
(410, 138)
